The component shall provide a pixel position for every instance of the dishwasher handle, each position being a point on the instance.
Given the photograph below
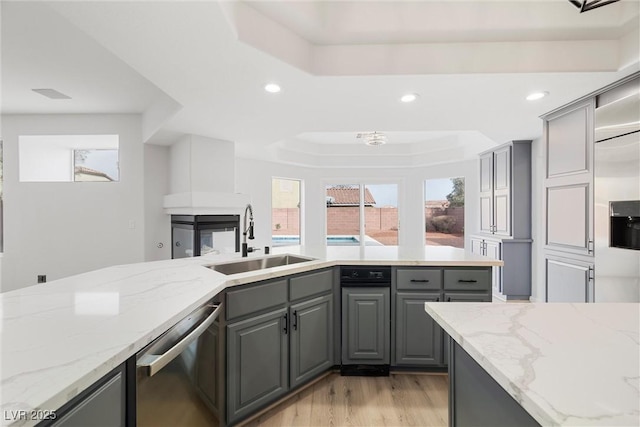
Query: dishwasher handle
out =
(151, 364)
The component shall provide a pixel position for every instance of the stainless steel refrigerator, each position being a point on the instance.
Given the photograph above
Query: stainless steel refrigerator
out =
(617, 196)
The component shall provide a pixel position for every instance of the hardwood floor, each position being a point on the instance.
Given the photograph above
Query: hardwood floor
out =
(398, 400)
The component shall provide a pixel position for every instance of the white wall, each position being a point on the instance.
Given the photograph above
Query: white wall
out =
(41, 161)
(157, 224)
(253, 177)
(64, 228)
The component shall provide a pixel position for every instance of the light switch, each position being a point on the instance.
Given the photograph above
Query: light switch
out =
(132, 224)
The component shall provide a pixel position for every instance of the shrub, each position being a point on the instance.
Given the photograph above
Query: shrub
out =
(444, 223)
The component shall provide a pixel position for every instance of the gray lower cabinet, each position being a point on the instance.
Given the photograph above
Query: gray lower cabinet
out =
(366, 325)
(257, 362)
(418, 338)
(209, 368)
(311, 340)
(104, 404)
(568, 280)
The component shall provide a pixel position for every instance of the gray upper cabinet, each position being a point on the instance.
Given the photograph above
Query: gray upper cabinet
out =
(568, 194)
(505, 190)
(311, 341)
(505, 217)
(365, 325)
(257, 362)
(486, 193)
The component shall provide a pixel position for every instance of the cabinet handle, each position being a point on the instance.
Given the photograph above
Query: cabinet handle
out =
(591, 275)
(438, 299)
(420, 280)
(295, 320)
(449, 299)
(286, 322)
(590, 246)
(467, 281)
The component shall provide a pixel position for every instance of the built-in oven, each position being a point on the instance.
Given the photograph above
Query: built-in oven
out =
(178, 375)
(624, 223)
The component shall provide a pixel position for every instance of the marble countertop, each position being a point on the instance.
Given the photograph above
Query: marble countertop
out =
(566, 364)
(60, 337)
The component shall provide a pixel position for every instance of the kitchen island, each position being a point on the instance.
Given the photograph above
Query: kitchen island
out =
(564, 364)
(61, 337)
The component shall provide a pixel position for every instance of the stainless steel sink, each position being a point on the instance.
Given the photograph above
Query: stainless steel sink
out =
(243, 266)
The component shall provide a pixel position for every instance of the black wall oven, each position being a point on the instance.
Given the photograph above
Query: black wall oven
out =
(625, 224)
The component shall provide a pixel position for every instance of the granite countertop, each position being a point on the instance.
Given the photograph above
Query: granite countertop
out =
(59, 338)
(566, 364)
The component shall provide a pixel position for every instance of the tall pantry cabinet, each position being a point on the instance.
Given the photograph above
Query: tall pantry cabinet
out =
(505, 217)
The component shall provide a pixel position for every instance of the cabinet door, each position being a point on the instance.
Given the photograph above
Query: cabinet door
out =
(257, 363)
(502, 191)
(103, 406)
(486, 193)
(477, 246)
(208, 367)
(365, 325)
(311, 341)
(418, 336)
(569, 218)
(569, 140)
(568, 280)
(492, 250)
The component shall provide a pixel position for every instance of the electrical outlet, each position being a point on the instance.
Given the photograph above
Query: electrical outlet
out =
(42, 278)
(132, 224)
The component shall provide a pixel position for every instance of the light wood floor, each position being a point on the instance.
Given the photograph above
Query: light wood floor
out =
(397, 400)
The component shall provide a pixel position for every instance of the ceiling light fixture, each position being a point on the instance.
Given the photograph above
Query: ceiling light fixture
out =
(536, 95)
(409, 97)
(373, 138)
(272, 88)
(587, 5)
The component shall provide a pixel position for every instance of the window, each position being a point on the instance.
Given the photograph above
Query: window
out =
(68, 158)
(362, 214)
(444, 212)
(285, 211)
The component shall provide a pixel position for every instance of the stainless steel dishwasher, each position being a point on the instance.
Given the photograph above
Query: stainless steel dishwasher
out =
(177, 375)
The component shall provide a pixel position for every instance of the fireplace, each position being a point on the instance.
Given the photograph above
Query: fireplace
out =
(195, 235)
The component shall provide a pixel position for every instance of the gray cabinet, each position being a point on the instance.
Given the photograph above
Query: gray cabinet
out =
(418, 341)
(209, 368)
(568, 184)
(505, 190)
(103, 404)
(569, 279)
(270, 353)
(365, 325)
(505, 217)
(311, 341)
(513, 280)
(257, 362)
(418, 338)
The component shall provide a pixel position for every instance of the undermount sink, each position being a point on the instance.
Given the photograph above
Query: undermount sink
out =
(243, 266)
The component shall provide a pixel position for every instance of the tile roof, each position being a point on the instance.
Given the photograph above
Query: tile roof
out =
(88, 171)
(348, 196)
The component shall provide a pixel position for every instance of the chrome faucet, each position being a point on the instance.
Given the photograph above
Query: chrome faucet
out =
(249, 230)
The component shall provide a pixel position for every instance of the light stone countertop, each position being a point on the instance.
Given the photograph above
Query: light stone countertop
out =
(60, 337)
(566, 364)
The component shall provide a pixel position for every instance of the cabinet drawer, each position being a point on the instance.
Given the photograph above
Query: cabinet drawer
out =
(419, 278)
(256, 298)
(467, 280)
(466, 297)
(310, 285)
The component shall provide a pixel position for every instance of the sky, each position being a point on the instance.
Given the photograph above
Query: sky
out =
(104, 161)
(387, 194)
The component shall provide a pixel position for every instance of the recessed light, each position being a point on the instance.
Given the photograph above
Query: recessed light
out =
(536, 95)
(272, 88)
(409, 97)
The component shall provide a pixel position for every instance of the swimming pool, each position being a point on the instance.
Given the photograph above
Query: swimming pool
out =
(331, 240)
